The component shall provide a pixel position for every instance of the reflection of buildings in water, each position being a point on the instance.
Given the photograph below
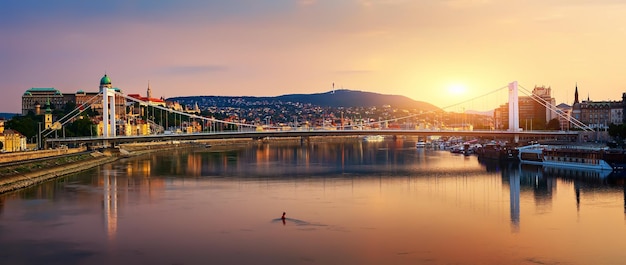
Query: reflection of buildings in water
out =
(110, 204)
(141, 168)
(115, 187)
(194, 165)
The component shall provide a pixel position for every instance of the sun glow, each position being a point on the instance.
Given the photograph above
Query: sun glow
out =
(457, 89)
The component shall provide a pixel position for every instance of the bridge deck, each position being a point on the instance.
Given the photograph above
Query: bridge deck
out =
(561, 135)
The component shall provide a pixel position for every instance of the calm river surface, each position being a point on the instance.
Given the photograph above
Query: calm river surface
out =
(346, 203)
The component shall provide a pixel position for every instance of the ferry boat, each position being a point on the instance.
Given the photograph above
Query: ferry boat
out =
(564, 156)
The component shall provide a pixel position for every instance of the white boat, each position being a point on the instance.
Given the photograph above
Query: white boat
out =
(420, 144)
(374, 138)
(564, 156)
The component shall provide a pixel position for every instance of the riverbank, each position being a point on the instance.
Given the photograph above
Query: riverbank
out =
(23, 176)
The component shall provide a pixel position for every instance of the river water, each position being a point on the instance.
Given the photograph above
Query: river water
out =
(345, 202)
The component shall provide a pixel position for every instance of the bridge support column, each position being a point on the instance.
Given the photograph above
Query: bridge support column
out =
(108, 112)
(112, 108)
(514, 109)
(105, 112)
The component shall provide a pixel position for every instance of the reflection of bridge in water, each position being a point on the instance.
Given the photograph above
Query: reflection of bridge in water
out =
(542, 182)
(108, 95)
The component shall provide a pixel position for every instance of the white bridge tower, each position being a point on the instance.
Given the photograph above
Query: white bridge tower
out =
(513, 108)
(108, 107)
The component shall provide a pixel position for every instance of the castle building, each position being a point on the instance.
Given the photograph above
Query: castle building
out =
(35, 97)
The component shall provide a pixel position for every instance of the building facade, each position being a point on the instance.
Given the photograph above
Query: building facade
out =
(598, 114)
(12, 140)
(35, 98)
(564, 113)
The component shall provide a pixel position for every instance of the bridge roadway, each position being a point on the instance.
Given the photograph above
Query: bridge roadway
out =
(554, 135)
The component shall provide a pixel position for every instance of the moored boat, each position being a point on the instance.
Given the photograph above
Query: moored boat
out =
(497, 152)
(564, 156)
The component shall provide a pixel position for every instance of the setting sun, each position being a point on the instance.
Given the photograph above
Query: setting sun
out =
(457, 89)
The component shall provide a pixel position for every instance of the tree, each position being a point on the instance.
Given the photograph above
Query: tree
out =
(553, 124)
(69, 107)
(82, 126)
(26, 125)
(617, 131)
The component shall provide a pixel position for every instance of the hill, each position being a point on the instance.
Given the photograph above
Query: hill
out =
(7, 116)
(338, 98)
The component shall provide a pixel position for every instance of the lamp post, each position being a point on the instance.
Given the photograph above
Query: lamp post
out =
(39, 136)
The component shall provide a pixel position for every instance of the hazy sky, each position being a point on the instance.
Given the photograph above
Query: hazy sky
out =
(418, 48)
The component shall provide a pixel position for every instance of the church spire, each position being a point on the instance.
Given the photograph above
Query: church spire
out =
(149, 92)
(576, 94)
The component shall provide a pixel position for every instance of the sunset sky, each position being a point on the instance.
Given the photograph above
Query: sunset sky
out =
(423, 49)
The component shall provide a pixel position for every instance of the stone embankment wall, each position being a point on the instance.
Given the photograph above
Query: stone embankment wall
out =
(23, 180)
(20, 156)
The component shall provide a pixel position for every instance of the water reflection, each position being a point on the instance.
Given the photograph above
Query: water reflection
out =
(542, 181)
(346, 203)
(110, 203)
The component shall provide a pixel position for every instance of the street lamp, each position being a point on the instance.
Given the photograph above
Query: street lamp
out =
(39, 136)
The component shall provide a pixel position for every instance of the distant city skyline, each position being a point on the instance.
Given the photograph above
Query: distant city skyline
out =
(440, 52)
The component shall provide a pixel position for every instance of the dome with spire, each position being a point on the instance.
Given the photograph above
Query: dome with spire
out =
(105, 80)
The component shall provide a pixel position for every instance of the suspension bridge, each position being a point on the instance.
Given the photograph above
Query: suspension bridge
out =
(160, 132)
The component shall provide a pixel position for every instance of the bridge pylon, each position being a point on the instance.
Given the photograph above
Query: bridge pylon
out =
(108, 106)
(514, 109)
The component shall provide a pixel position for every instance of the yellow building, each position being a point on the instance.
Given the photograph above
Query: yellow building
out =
(48, 117)
(12, 140)
(140, 128)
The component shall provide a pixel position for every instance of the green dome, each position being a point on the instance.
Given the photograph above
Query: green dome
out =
(105, 80)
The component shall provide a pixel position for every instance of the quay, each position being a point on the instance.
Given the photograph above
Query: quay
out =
(22, 170)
